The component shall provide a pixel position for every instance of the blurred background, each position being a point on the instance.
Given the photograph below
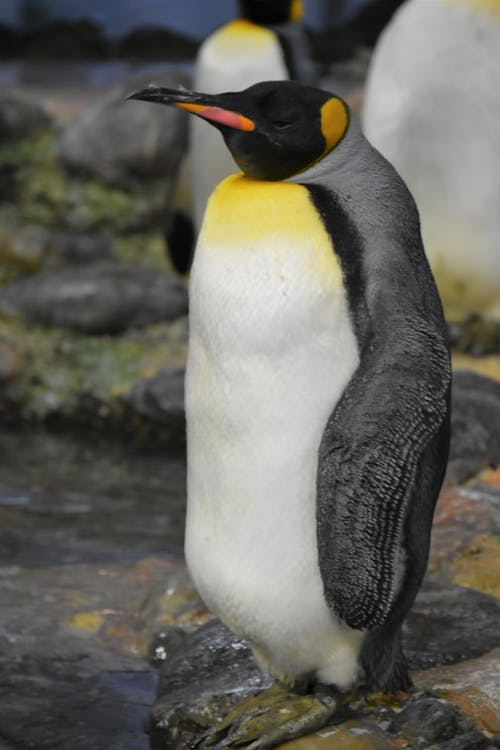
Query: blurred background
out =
(95, 244)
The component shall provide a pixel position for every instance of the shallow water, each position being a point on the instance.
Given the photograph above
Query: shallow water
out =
(89, 535)
(67, 501)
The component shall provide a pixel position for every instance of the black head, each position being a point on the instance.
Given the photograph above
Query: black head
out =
(273, 129)
(271, 11)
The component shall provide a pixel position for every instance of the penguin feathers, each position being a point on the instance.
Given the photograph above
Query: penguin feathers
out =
(317, 391)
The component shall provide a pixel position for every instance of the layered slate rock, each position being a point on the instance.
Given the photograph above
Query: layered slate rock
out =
(100, 298)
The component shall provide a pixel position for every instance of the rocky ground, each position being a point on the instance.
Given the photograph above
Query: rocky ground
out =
(98, 620)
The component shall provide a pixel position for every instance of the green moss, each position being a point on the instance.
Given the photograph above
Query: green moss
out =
(144, 249)
(62, 369)
(47, 195)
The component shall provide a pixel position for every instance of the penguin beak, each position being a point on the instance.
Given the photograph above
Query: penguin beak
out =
(201, 105)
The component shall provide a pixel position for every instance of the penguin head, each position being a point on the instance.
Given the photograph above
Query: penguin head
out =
(274, 129)
(271, 11)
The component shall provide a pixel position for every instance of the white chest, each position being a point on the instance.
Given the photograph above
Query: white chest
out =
(271, 351)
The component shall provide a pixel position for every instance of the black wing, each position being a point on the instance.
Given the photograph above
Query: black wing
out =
(389, 419)
(384, 449)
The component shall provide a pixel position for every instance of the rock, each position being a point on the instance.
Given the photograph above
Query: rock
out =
(21, 117)
(427, 718)
(212, 669)
(118, 141)
(80, 247)
(478, 566)
(449, 624)
(161, 397)
(461, 514)
(473, 686)
(472, 740)
(475, 425)
(99, 298)
(200, 682)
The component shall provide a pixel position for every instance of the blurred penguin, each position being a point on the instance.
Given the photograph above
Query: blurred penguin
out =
(432, 108)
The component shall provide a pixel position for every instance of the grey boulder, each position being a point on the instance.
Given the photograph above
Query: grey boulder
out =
(21, 117)
(99, 298)
(118, 141)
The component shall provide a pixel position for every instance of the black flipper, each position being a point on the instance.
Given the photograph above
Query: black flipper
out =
(384, 449)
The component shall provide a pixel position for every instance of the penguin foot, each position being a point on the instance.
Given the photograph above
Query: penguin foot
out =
(274, 716)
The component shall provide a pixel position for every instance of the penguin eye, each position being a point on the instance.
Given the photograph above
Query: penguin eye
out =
(281, 124)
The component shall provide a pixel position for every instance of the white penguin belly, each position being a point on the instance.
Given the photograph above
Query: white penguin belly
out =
(271, 350)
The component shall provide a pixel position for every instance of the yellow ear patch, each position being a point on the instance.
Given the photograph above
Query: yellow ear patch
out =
(334, 122)
(296, 10)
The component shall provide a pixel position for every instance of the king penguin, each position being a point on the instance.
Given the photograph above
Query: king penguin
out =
(266, 41)
(317, 397)
(432, 108)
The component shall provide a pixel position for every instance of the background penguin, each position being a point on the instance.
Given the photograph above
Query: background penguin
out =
(432, 108)
(317, 399)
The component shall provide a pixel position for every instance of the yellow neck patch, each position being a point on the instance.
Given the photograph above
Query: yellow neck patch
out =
(296, 10)
(487, 7)
(250, 216)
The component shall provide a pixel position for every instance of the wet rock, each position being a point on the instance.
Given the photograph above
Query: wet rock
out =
(200, 682)
(461, 514)
(161, 397)
(21, 117)
(449, 624)
(101, 298)
(473, 686)
(118, 141)
(472, 740)
(426, 718)
(358, 734)
(475, 425)
(214, 669)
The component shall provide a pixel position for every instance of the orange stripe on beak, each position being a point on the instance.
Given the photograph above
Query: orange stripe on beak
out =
(222, 116)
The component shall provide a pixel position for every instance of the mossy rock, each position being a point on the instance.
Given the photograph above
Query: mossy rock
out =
(68, 376)
(45, 194)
